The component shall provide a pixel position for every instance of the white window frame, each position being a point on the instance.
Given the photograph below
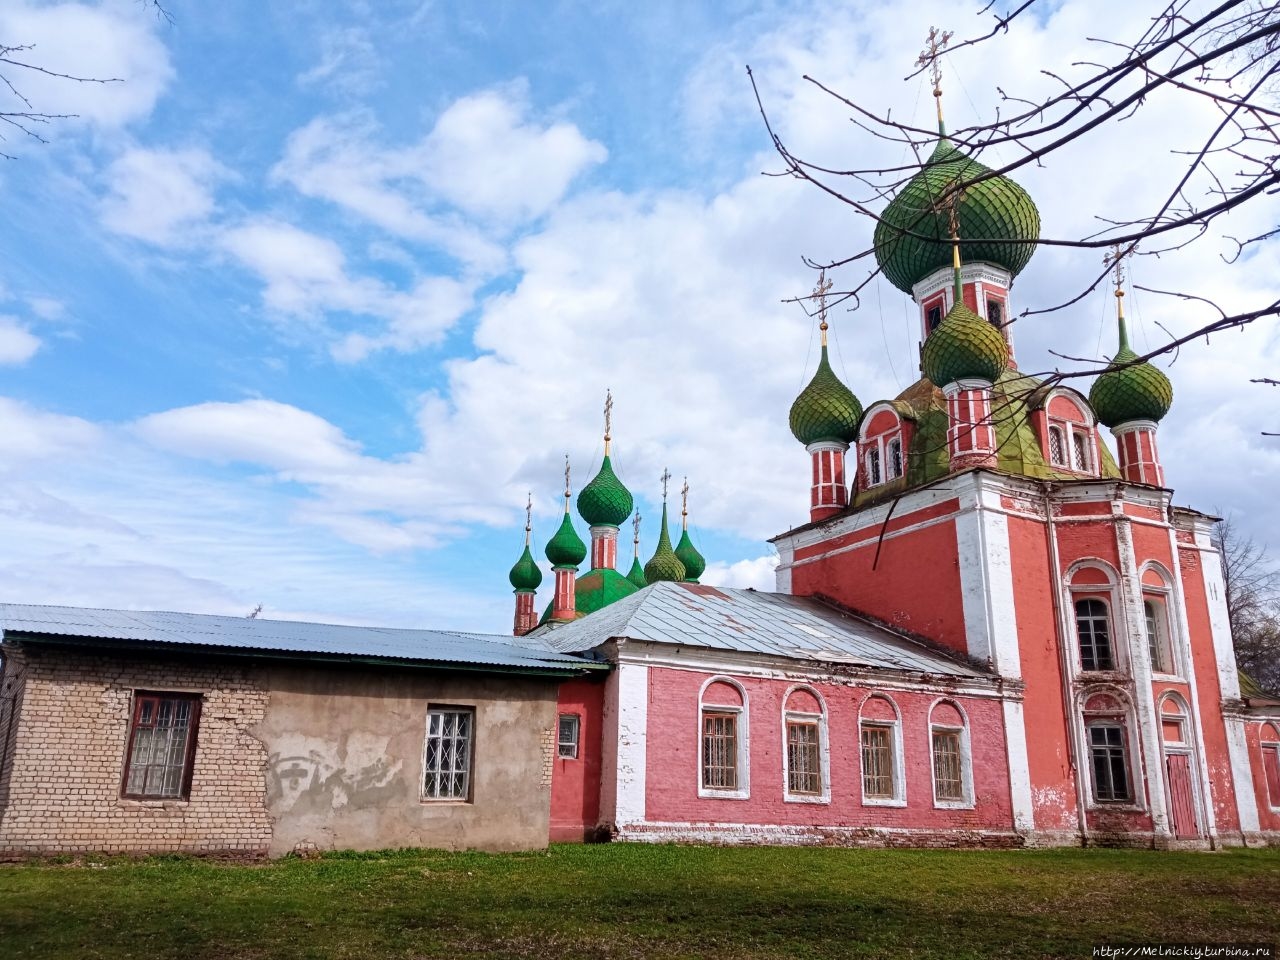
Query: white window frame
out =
(1122, 717)
(442, 710)
(1164, 635)
(1056, 429)
(742, 742)
(899, 797)
(877, 448)
(819, 720)
(966, 800)
(1103, 597)
(573, 743)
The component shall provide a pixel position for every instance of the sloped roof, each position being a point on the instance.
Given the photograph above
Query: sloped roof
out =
(748, 621)
(131, 628)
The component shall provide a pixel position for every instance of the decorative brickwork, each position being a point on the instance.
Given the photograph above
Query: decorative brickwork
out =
(548, 743)
(62, 765)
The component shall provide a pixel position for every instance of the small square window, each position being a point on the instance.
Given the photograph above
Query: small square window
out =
(447, 764)
(162, 742)
(567, 747)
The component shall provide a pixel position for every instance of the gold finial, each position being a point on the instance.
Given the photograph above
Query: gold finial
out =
(820, 295)
(635, 529)
(1115, 259)
(528, 518)
(666, 475)
(567, 492)
(929, 57)
(684, 504)
(608, 418)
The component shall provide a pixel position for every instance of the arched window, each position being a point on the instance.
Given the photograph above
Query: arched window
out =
(1080, 452)
(895, 458)
(952, 767)
(1070, 443)
(873, 467)
(805, 753)
(1057, 447)
(1093, 628)
(722, 733)
(880, 735)
(881, 437)
(1107, 733)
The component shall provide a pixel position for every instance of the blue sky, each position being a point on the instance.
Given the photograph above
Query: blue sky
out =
(298, 312)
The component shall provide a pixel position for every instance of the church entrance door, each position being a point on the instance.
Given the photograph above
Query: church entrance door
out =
(1182, 806)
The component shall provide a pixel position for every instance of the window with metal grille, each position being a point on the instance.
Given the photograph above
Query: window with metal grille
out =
(567, 747)
(804, 765)
(719, 750)
(162, 741)
(873, 466)
(1109, 753)
(1094, 631)
(1079, 447)
(995, 312)
(933, 316)
(948, 765)
(1057, 447)
(447, 767)
(1157, 636)
(878, 773)
(895, 458)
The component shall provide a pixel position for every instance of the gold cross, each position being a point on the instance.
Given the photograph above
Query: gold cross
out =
(566, 478)
(635, 526)
(684, 498)
(608, 413)
(1116, 259)
(938, 40)
(820, 294)
(666, 475)
(528, 518)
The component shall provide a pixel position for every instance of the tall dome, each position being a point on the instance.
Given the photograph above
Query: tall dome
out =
(826, 409)
(664, 564)
(994, 209)
(605, 501)
(1130, 391)
(525, 575)
(565, 548)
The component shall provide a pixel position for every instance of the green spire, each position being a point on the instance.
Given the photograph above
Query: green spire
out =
(565, 548)
(525, 576)
(1129, 391)
(636, 573)
(826, 409)
(685, 551)
(664, 564)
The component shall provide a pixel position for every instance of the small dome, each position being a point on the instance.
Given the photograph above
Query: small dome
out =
(525, 576)
(605, 501)
(636, 574)
(992, 209)
(1136, 392)
(964, 346)
(693, 561)
(664, 564)
(566, 548)
(826, 409)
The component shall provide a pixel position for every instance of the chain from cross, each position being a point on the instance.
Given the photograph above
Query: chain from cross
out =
(666, 475)
(608, 412)
(684, 498)
(820, 295)
(938, 40)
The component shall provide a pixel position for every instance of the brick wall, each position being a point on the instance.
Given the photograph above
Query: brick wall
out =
(61, 775)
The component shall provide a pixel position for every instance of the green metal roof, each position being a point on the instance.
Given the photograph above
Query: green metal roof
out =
(599, 588)
(605, 501)
(826, 409)
(525, 575)
(636, 574)
(995, 209)
(963, 346)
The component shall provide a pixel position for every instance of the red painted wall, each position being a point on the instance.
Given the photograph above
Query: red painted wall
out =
(673, 760)
(892, 591)
(1268, 816)
(575, 784)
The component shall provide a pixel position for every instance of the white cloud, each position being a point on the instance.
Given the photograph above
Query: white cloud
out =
(28, 434)
(161, 195)
(17, 343)
(115, 42)
(348, 62)
(757, 574)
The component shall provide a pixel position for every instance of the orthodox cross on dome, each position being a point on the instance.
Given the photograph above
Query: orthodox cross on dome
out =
(608, 418)
(929, 57)
(666, 476)
(528, 518)
(567, 492)
(635, 529)
(820, 295)
(1115, 259)
(684, 504)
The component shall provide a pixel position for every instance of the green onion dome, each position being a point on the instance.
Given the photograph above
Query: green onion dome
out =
(693, 561)
(636, 574)
(664, 564)
(990, 210)
(525, 575)
(566, 548)
(964, 346)
(1135, 392)
(605, 501)
(826, 409)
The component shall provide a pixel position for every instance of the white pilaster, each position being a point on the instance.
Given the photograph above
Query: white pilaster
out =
(631, 765)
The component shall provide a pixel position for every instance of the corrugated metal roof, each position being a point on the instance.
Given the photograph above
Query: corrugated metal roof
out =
(721, 618)
(286, 636)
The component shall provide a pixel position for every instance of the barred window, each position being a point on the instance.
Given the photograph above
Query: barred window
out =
(873, 465)
(1080, 450)
(878, 764)
(719, 750)
(162, 741)
(1093, 628)
(1109, 752)
(948, 766)
(447, 769)
(895, 458)
(567, 746)
(804, 764)
(1057, 447)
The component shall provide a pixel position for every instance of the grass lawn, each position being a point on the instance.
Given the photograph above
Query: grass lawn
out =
(619, 900)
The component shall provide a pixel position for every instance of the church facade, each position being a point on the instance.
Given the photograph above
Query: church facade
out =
(992, 630)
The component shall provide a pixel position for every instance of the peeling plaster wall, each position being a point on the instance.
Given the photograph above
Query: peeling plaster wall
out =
(345, 760)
